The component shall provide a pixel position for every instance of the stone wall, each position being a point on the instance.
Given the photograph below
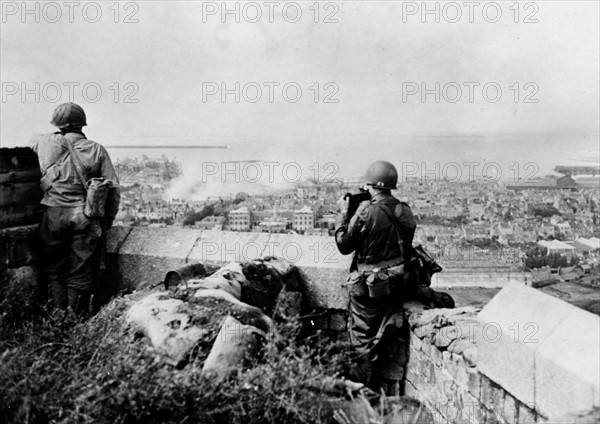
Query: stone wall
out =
(141, 256)
(525, 358)
(19, 266)
(20, 195)
(489, 277)
(144, 255)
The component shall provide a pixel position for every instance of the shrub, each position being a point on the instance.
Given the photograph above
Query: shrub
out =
(56, 368)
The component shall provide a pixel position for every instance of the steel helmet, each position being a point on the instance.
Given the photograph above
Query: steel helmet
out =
(382, 174)
(68, 115)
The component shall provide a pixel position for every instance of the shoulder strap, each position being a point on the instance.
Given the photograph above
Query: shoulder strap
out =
(77, 161)
(390, 216)
(392, 219)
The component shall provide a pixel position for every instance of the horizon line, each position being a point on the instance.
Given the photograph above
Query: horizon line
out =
(132, 146)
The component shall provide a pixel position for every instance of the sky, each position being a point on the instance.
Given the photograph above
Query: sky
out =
(373, 63)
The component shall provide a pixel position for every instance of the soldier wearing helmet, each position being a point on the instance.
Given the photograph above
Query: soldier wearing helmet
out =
(380, 234)
(71, 240)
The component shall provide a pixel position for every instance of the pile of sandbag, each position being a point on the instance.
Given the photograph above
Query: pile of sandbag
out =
(224, 316)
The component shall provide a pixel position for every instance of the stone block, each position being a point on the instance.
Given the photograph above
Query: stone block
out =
(448, 386)
(510, 409)
(490, 416)
(436, 355)
(446, 359)
(21, 282)
(526, 414)
(411, 372)
(423, 365)
(451, 411)
(309, 251)
(115, 238)
(323, 270)
(322, 287)
(488, 278)
(222, 247)
(160, 242)
(410, 390)
(567, 374)
(145, 271)
(474, 382)
(463, 392)
(459, 346)
(492, 396)
(471, 354)
(473, 413)
(430, 373)
(19, 246)
(415, 342)
(459, 370)
(513, 324)
(147, 254)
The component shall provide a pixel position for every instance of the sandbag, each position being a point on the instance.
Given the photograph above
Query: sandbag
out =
(168, 323)
(235, 346)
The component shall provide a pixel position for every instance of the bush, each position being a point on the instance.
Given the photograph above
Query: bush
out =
(56, 368)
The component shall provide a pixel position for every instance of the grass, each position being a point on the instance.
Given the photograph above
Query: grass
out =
(60, 369)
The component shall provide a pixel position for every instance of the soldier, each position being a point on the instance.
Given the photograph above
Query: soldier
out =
(71, 240)
(380, 233)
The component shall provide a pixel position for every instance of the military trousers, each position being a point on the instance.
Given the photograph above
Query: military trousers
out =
(70, 255)
(377, 333)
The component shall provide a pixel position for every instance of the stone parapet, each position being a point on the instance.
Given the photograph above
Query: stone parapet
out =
(525, 358)
(143, 255)
(542, 351)
(19, 266)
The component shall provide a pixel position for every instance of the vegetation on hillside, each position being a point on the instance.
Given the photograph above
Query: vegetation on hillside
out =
(56, 368)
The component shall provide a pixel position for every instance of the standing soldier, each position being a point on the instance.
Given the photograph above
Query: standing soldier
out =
(380, 233)
(71, 166)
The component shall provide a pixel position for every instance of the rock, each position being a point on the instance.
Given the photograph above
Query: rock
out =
(406, 410)
(388, 410)
(357, 410)
(460, 345)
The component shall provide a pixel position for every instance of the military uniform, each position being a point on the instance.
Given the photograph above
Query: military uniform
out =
(71, 240)
(376, 323)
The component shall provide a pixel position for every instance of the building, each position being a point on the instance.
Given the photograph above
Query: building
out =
(565, 182)
(556, 246)
(578, 170)
(271, 226)
(327, 222)
(211, 223)
(592, 243)
(239, 219)
(304, 219)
